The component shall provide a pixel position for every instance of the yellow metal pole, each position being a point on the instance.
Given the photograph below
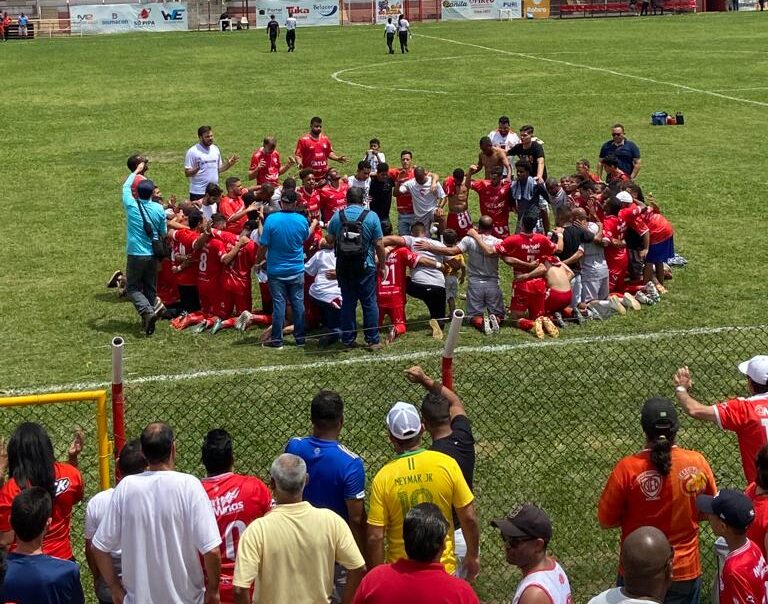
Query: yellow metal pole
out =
(47, 399)
(103, 440)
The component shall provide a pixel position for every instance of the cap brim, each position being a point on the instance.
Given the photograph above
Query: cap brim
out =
(704, 504)
(507, 528)
(744, 367)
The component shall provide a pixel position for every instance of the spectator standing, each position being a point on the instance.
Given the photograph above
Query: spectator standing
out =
(758, 493)
(381, 189)
(503, 137)
(658, 487)
(356, 234)
(33, 577)
(163, 523)
(237, 500)
(289, 554)
(426, 192)
(273, 30)
(646, 556)
(23, 24)
(530, 151)
(7, 21)
(416, 476)
(446, 421)
(526, 532)
(281, 242)
(375, 156)
(626, 152)
(31, 464)
(203, 163)
(420, 577)
(130, 461)
(336, 475)
(290, 31)
(740, 415)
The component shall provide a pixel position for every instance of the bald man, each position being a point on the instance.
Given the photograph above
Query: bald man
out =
(646, 556)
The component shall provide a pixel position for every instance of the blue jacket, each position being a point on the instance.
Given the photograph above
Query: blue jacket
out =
(137, 243)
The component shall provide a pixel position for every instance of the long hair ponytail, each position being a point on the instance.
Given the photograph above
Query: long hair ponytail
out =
(30, 458)
(661, 440)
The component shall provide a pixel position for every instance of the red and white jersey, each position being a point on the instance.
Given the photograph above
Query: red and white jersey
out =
(311, 201)
(743, 578)
(633, 218)
(271, 171)
(748, 418)
(494, 203)
(528, 247)
(404, 201)
(614, 228)
(552, 581)
(229, 206)
(392, 289)
(237, 501)
(182, 242)
(332, 199)
(313, 153)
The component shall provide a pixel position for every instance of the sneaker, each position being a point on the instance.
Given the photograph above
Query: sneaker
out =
(148, 321)
(538, 329)
(159, 307)
(494, 321)
(392, 334)
(558, 320)
(122, 286)
(643, 298)
(630, 301)
(114, 279)
(243, 321)
(216, 327)
(617, 305)
(486, 324)
(549, 327)
(200, 327)
(375, 347)
(653, 293)
(593, 314)
(271, 344)
(437, 333)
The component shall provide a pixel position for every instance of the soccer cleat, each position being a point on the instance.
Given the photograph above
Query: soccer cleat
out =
(243, 321)
(486, 324)
(437, 333)
(200, 327)
(558, 320)
(643, 298)
(216, 327)
(549, 327)
(630, 301)
(538, 329)
(617, 305)
(494, 321)
(114, 279)
(159, 307)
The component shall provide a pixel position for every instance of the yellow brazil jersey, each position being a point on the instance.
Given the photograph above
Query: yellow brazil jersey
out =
(410, 479)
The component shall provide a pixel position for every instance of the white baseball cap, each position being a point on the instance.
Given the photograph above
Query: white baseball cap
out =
(756, 369)
(403, 421)
(624, 197)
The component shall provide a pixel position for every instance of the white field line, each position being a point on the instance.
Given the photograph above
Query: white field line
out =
(598, 69)
(383, 358)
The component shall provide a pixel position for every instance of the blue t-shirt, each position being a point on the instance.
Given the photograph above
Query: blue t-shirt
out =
(23, 21)
(625, 154)
(137, 242)
(284, 235)
(371, 230)
(41, 580)
(335, 473)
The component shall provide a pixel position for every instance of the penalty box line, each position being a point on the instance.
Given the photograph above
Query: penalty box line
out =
(370, 359)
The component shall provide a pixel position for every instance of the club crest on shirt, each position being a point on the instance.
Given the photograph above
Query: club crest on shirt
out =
(62, 484)
(650, 484)
(692, 480)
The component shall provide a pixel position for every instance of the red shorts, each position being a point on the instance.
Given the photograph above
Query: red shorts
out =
(529, 296)
(209, 297)
(461, 223)
(396, 316)
(230, 304)
(557, 301)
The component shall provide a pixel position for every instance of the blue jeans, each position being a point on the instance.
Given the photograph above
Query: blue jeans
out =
(680, 592)
(363, 289)
(330, 317)
(404, 223)
(284, 290)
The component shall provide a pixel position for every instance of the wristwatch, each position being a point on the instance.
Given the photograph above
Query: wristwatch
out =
(681, 389)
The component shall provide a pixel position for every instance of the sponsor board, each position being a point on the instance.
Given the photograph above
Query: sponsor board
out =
(389, 8)
(121, 18)
(537, 9)
(454, 10)
(306, 12)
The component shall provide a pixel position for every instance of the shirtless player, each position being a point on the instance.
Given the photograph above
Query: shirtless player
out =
(491, 157)
(457, 200)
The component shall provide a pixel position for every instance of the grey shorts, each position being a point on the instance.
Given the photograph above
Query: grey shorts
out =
(482, 295)
(594, 289)
(451, 287)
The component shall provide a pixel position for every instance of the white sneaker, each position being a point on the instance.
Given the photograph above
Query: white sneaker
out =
(487, 324)
(653, 293)
(243, 321)
(630, 301)
(494, 323)
(642, 297)
(616, 305)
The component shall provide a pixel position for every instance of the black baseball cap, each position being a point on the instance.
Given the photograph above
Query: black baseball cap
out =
(526, 521)
(731, 506)
(659, 413)
(145, 189)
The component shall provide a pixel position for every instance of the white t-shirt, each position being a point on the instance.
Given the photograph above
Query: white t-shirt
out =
(553, 581)
(505, 142)
(424, 200)
(209, 210)
(426, 275)
(403, 25)
(290, 23)
(593, 264)
(390, 28)
(162, 521)
(379, 158)
(323, 288)
(615, 596)
(480, 266)
(209, 160)
(365, 185)
(94, 514)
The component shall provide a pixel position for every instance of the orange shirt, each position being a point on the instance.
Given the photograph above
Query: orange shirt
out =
(637, 495)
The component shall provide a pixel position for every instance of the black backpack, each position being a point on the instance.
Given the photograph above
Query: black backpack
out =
(350, 249)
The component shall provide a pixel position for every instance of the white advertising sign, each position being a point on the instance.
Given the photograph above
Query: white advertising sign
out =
(389, 8)
(455, 10)
(120, 18)
(306, 12)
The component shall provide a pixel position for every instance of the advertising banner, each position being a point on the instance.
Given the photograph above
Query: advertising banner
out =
(389, 8)
(121, 18)
(455, 10)
(537, 9)
(306, 12)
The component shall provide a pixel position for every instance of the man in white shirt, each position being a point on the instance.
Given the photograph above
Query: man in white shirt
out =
(503, 137)
(162, 520)
(362, 180)
(426, 193)
(290, 31)
(326, 293)
(203, 163)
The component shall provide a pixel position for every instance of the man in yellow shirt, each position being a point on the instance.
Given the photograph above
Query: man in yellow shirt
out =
(417, 476)
(288, 555)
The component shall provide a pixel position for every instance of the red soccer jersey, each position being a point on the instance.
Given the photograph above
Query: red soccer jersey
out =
(271, 171)
(659, 227)
(183, 240)
(528, 247)
(229, 206)
(742, 580)
(210, 266)
(748, 418)
(69, 492)
(166, 283)
(618, 176)
(311, 201)
(236, 276)
(633, 218)
(392, 290)
(332, 199)
(614, 228)
(493, 201)
(759, 527)
(237, 501)
(404, 201)
(313, 153)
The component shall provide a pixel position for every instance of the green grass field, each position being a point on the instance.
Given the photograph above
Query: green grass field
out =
(550, 420)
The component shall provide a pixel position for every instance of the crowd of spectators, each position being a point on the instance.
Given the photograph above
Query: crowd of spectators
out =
(317, 534)
(585, 246)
